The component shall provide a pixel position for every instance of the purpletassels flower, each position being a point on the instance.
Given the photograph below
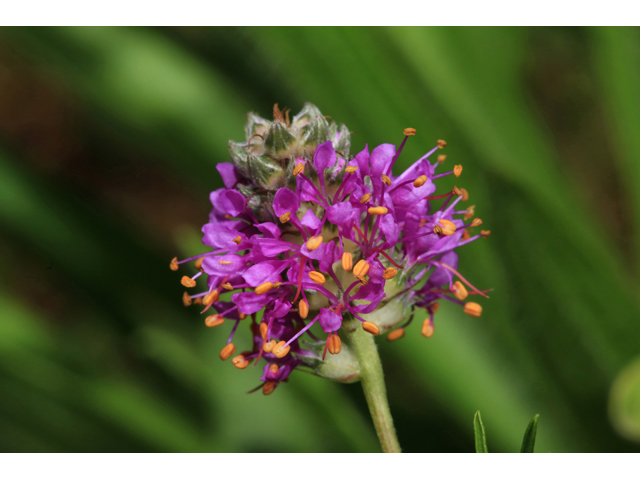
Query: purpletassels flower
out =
(304, 235)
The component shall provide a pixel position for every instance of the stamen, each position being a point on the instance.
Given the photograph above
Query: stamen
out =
(433, 308)
(388, 257)
(351, 169)
(378, 210)
(186, 299)
(459, 291)
(446, 227)
(187, 282)
(438, 197)
(198, 301)
(441, 143)
(466, 235)
(409, 131)
(274, 368)
(227, 286)
(227, 351)
(240, 362)
(335, 344)
(427, 328)
(476, 222)
(389, 273)
(472, 308)
(211, 297)
(299, 168)
(386, 180)
(395, 335)
(242, 316)
(303, 309)
(457, 191)
(237, 240)
(471, 211)
(198, 263)
(420, 181)
(225, 262)
(268, 346)
(457, 170)
(363, 280)
(455, 272)
(422, 223)
(263, 288)
(317, 277)
(214, 320)
(371, 328)
(269, 387)
(314, 242)
(365, 198)
(284, 218)
(485, 233)
(263, 331)
(347, 261)
(281, 349)
(174, 264)
(361, 268)
(465, 194)
(441, 158)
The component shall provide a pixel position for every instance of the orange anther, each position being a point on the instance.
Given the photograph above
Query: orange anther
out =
(445, 227)
(460, 291)
(284, 218)
(351, 169)
(242, 316)
(211, 297)
(433, 308)
(263, 330)
(268, 346)
(314, 242)
(457, 170)
(427, 328)
(227, 351)
(378, 210)
(317, 277)
(457, 191)
(465, 194)
(198, 263)
(214, 320)
(298, 169)
(347, 261)
(174, 264)
(240, 362)
(371, 328)
(198, 301)
(476, 222)
(422, 222)
(395, 334)
(365, 198)
(227, 286)
(386, 180)
(466, 235)
(237, 240)
(409, 131)
(472, 308)
(361, 268)
(268, 388)
(335, 344)
(441, 158)
(442, 144)
(274, 368)
(281, 349)
(485, 233)
(225, 262)
(363, 280)
(186, 299)
(263, 288)
(303, 308)
(421, 180)
(389, 273)
(187, 282)
(471, 211)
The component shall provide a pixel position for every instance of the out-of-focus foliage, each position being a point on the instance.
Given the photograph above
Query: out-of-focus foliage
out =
(109, 139)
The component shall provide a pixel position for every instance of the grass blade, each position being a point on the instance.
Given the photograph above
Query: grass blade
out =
(529, 440)
(481, 438)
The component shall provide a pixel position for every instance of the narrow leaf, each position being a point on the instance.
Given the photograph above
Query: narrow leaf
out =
(481, 439)
(529, 440)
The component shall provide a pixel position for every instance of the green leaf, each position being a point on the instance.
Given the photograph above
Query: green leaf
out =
(529, 440)
(481, 438)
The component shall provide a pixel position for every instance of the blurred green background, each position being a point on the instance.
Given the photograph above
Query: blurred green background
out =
(109, 139)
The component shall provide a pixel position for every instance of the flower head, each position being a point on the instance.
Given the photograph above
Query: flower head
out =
(305, 234)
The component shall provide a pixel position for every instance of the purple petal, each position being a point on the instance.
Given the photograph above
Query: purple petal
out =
(310, 220)
(250, 302)
(261, 273)
(227, 201)
(342, 214)
(381, 158)
(363, 162)
(329, 321)
(286, 201)
(229, 174)
(325, 156)
(270, 230)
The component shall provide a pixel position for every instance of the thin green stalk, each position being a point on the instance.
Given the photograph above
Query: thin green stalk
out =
(372, 379)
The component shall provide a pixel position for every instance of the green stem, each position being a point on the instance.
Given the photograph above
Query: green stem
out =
(375, 392)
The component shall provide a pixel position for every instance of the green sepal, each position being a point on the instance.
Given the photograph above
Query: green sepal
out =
(279, 140)
(266, 172)
(239, 157)
(256, 125)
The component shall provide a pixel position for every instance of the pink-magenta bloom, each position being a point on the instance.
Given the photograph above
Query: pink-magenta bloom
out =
(303, 233)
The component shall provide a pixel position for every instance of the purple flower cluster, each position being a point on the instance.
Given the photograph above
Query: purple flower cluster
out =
(335, 240)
